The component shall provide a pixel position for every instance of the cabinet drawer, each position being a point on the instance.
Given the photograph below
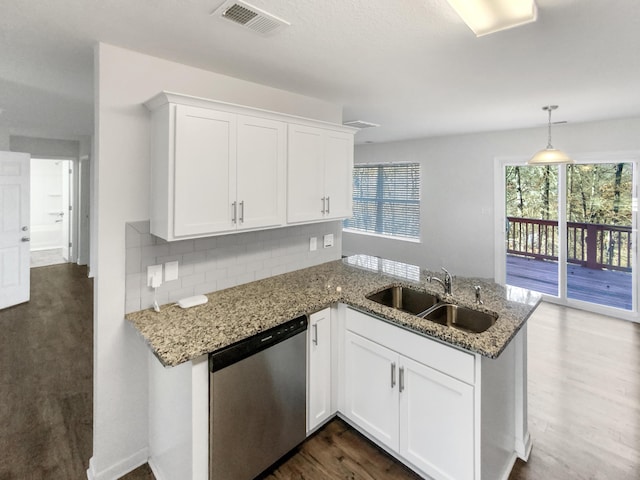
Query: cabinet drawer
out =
(444, 358)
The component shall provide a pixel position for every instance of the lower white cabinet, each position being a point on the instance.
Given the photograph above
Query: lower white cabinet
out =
(423, 415)
(319, 369)
(371, 388)
(436, 422)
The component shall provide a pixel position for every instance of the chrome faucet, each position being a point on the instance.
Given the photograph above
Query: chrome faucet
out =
(478, 295)
(447, 283)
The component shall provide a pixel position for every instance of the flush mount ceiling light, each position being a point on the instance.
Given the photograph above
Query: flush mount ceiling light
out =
(550, 155)
(490, 16)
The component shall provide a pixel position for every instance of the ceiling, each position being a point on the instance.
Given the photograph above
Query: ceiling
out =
(410, 65)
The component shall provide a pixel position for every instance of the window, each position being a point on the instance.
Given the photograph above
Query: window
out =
(386, 200)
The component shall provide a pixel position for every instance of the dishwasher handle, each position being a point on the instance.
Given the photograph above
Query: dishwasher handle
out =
(256, 343)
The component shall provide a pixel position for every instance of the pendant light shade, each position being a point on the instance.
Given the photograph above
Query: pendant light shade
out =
(550, 155)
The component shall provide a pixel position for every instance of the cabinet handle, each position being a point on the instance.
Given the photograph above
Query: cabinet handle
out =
(323, 209)
(401, 387)
(242, 211)
(25, 239)
(328, 204)
(234, 207)
(393, 374)
(315, 334)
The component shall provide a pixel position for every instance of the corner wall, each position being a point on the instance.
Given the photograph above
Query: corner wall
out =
(457, 200)
(124, 80)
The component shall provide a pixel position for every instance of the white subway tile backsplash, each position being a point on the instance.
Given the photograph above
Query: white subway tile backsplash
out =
(216, 263)
(192, 280)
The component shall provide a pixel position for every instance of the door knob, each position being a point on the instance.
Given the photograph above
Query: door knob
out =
(25, 228)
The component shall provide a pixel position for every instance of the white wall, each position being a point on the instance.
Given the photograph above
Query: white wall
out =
(4, 139)
(458, 191)
(124, 80)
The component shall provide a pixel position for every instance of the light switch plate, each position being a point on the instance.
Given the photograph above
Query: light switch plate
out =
(313, 244)
(328, 240)
(170, 271)
(154, 276)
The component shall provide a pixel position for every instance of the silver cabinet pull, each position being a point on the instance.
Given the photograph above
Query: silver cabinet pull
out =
(393, 374)
(401, 386)
(323, 203)
(315, 334)
(234, 207)
(328, 205)
(242, 211)
(25, 239)
(25, 228)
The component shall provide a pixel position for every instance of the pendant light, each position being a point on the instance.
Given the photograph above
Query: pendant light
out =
(550, 155)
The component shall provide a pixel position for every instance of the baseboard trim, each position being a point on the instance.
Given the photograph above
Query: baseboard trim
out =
(155, 469)
(510, 464)
(523, 449)
(114, 472)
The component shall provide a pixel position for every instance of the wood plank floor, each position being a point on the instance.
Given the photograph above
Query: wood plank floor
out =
(584, 397)
(46, 369)
(605, 287)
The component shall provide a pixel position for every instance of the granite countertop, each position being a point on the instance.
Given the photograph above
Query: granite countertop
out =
(178, 335)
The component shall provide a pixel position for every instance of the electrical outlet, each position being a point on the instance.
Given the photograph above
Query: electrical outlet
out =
(154, 276)
(313, 244)
(328, 240)
(170, 271)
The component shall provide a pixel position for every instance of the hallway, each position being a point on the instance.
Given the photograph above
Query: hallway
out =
(46, 368)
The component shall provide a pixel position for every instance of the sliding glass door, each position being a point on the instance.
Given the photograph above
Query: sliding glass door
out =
(570, 231)
(599, 233)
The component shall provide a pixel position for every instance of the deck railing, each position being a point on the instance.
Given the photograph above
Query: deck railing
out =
(591, 245)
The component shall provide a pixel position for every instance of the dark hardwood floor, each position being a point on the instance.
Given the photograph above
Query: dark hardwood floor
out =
(46, 369)
(584, 397)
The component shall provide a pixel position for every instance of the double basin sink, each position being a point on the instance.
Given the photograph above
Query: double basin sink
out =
(430, 307)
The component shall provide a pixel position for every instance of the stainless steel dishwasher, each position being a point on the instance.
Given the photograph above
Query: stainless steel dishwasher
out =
(257, 401)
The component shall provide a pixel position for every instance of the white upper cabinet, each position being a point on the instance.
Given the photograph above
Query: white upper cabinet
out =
(219, 168)
(204, 172)
(319, 174)
(261, 155)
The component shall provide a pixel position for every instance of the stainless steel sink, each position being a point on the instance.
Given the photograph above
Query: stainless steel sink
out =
(460, 317)
(405, 299)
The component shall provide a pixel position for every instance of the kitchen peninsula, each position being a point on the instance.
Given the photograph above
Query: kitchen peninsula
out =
(462, 413)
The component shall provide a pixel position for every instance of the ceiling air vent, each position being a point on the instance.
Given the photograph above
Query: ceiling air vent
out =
(360, 124)
(250, 17)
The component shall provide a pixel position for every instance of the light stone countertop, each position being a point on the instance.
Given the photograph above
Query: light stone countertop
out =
(178, 335)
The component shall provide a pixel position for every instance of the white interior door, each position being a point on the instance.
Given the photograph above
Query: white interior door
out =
(14, 228)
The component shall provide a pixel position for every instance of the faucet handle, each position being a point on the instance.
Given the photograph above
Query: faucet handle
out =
(478, 293)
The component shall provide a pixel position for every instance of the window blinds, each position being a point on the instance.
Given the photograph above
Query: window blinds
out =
(386, 199)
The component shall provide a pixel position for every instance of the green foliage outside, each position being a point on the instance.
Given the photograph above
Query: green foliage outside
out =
(596, 193)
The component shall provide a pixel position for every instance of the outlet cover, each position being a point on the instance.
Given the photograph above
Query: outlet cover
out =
(328, 240)
(154, 276)
(313, 244)
(170, 271)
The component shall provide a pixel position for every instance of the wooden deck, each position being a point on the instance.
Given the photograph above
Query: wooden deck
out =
(605, 287)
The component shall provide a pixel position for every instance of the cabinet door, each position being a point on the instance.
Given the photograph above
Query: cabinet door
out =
(319, 379)
(371, 388)
(305, 174)
(261, 172)
(436, 422)
(339, 174)
(204, 178)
